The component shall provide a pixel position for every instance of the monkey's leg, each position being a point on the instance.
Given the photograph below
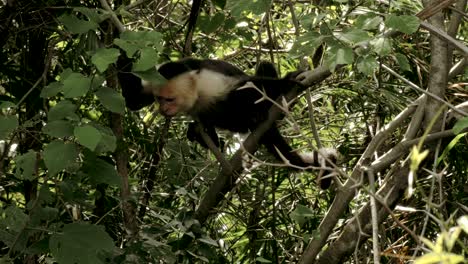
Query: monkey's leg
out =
(275, 142)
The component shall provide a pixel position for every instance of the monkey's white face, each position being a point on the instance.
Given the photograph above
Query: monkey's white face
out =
(168, 106)
(177, 95)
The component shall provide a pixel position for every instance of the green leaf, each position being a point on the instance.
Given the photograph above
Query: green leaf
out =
(450, 146)
(301, 214)
(354, 36)
(403, 62)
(340, 55)
(111, 100)
(100, 171)
(148, 58)
(59, 156)
(97, 81)
(217, 20)
(369, 21)
(88, 136)
(210, 24)
(76, 85)
(80, 243)
(382, 46)
(417, 157)
(209, 241)
(153, 39)
(64, 109)
(405, 24)
(77, 26)
(463, 223)
(7, 125)
(6, 104)
(307, 43)
(58, 129)
(344, 56)
(219, 3)
(460, 125)
(104, 57)
(257, 7)
(450, 238)
(26, 165)
(65, 73)
(229, 23)
(47, 213)
(129, 47)
(311, 20)
(367, 65)
(46, 194)
(151, 75)
(108, 141)
(439, 257)
(12, 219)
(262, 260)
(260, 6)
(51, 90)
(94, 14)
(132, 41)
(237, 7)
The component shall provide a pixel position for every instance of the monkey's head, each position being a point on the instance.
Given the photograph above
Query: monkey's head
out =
(177, 95)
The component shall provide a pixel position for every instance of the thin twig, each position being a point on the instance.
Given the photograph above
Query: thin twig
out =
(374, 218)
(414, 86)
(443, 35)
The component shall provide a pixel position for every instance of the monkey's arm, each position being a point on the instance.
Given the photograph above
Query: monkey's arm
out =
(132, 88)
(193, 134)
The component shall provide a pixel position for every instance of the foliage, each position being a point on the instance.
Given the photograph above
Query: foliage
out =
(73, 160)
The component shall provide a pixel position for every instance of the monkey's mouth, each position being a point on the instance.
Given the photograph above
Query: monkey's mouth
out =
(168, 113)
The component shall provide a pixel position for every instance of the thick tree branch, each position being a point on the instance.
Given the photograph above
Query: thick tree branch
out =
(445, 37)
(115, 20)
(439, 69)
(360, 227)
(433, 8)
(333, 254)
(347, 192)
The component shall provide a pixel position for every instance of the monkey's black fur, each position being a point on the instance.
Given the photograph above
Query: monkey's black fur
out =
(132, 88)
(241, 110)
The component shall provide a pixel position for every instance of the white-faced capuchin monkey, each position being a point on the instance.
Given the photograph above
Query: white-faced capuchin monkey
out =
(208, 91)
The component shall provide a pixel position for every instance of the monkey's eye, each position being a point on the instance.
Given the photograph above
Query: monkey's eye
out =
(165, 99)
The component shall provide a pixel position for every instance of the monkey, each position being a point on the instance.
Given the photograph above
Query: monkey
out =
(264, 69)
(220, 95)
